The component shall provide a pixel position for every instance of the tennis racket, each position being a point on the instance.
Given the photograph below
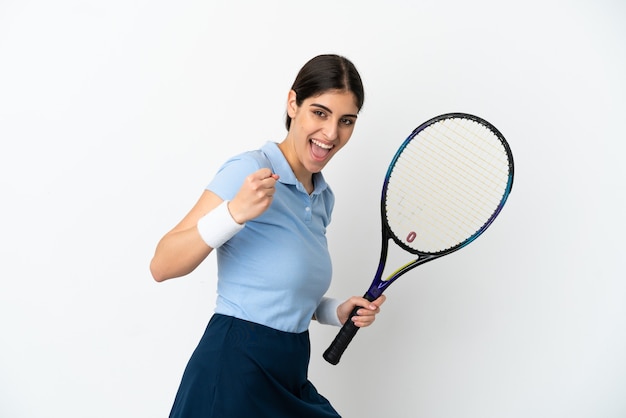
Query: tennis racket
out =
(444, 187)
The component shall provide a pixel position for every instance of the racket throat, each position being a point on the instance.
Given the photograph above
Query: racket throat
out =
(378, 285)
(376, 290)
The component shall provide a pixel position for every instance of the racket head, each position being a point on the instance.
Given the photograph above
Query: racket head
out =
(445, 185)
(450, 178)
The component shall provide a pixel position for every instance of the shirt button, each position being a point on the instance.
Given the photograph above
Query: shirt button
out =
(308, 209)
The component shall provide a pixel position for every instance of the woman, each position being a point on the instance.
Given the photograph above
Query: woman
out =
(266, 213)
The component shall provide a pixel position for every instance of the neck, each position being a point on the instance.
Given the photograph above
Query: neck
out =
(302, 174)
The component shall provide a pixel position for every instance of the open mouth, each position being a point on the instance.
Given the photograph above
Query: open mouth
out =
(319, 149)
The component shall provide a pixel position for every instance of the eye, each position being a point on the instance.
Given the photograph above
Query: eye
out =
(319, 113)
(346, 121)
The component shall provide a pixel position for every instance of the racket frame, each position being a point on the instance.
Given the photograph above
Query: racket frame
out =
(378, 286)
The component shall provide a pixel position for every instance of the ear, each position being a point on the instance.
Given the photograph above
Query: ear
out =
(292, 106)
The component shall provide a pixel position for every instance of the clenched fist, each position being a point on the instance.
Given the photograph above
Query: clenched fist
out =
(254, 196)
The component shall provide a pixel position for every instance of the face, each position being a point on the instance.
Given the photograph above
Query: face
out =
(320, 127)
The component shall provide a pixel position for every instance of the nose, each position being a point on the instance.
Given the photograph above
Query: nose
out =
(330, 130)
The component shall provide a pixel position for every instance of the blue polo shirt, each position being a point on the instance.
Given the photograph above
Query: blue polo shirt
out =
(277, 268)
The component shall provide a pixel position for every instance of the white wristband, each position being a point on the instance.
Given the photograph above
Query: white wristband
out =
(326, 312)
(218, 226)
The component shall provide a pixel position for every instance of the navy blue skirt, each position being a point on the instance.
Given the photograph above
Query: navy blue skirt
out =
(245, 370)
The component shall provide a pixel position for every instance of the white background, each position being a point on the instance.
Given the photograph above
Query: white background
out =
(115, 114)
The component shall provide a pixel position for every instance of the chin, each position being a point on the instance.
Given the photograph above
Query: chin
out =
(316, 166)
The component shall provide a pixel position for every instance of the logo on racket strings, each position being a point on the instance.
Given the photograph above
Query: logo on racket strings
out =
(411, 237)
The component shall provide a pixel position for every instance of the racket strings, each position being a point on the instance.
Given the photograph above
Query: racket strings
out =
(463, 170)
(446, 184)
(457, 193)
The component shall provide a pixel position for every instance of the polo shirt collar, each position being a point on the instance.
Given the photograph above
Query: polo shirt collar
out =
(281, 167)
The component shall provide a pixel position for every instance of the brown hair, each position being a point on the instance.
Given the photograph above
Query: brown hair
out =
(327, 72)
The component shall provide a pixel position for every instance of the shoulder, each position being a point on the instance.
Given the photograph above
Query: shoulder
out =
(253, 160)
(231, 175)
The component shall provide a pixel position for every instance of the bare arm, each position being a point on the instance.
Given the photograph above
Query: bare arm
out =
(182, 249)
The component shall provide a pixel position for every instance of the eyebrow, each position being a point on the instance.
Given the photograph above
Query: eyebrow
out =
(330, 111)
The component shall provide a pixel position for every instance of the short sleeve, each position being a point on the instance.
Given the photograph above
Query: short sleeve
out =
(231, 175)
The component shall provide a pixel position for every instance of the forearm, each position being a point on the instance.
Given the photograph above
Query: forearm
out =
(178, 254)
(326, 312)
(209, 224)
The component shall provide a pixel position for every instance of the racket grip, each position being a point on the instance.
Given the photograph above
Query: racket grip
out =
(347, 332)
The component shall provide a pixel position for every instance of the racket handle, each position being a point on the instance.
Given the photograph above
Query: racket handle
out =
(347, 332)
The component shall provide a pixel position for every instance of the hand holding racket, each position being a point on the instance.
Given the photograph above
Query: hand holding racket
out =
(444, 187)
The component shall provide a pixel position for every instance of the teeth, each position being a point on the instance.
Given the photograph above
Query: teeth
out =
(321, 145)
